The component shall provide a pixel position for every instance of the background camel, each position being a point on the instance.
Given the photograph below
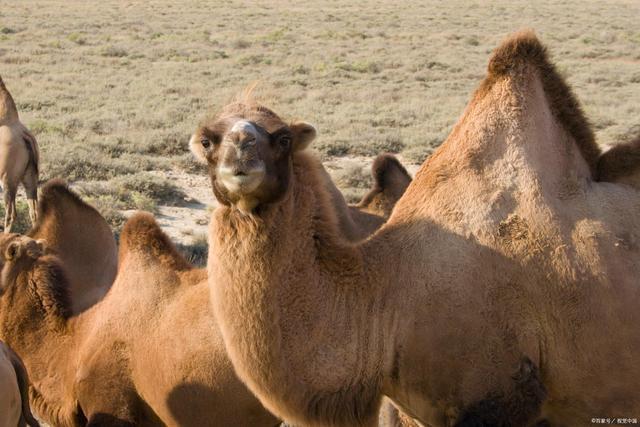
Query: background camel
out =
(621, 164)
(14, 395)
(478, 303)
(19, 158)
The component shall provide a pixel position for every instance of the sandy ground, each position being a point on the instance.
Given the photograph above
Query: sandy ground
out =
(187, 223)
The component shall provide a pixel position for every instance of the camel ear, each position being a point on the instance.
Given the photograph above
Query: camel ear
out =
(303, 135)
(13, 251)
(198, 150)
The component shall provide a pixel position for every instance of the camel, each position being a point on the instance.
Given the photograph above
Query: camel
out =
(503, 289)
(114, 339)
(19, 159)
(621, 164)
(14, 385)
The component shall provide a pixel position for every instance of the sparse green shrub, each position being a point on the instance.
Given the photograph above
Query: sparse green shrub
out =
(114, 52)
(140, 191)
(77, 38)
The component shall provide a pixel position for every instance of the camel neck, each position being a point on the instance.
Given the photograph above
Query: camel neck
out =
(288, 294)
(8, 111)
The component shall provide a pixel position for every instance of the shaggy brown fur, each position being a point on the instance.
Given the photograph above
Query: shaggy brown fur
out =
(502, 256)
(14, 395)
(19, 159)
(621, 163)
(90, 259)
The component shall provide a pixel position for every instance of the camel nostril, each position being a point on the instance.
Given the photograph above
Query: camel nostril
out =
(240, 173)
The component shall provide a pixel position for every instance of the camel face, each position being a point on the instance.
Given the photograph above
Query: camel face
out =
(248, 149)
(19, 301)
(16, 249)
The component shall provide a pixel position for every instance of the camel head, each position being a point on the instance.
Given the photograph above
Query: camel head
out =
(248, 149)
(32, 287)
(17, 250)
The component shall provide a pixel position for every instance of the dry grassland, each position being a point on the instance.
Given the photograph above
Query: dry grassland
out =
(112, 90)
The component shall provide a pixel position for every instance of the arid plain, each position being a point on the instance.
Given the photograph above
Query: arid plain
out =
(112, 90)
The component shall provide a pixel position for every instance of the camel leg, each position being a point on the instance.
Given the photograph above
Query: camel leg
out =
(30, 182)
(9, 205)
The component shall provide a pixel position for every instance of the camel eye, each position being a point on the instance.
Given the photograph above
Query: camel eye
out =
(205, 143)
(285, 141)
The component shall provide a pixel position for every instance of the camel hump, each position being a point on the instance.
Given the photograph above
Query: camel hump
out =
(23, 385)
(142, 236)
(511, 59)
(517, 49)
(390, 180)
(389, 174)
(54, 194)
(80, 237)
(621, 163)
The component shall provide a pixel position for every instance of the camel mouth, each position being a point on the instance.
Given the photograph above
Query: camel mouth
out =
(241, 181)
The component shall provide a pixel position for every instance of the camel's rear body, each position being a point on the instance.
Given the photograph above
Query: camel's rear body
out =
(535, 259)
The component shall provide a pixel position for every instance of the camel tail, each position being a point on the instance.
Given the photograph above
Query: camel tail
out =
(34, 151)
(23, 385)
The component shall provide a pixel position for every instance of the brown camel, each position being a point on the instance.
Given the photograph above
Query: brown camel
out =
(19, 157)
(157, 301)
(621, 164)
(14, 396)
(503, 289)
